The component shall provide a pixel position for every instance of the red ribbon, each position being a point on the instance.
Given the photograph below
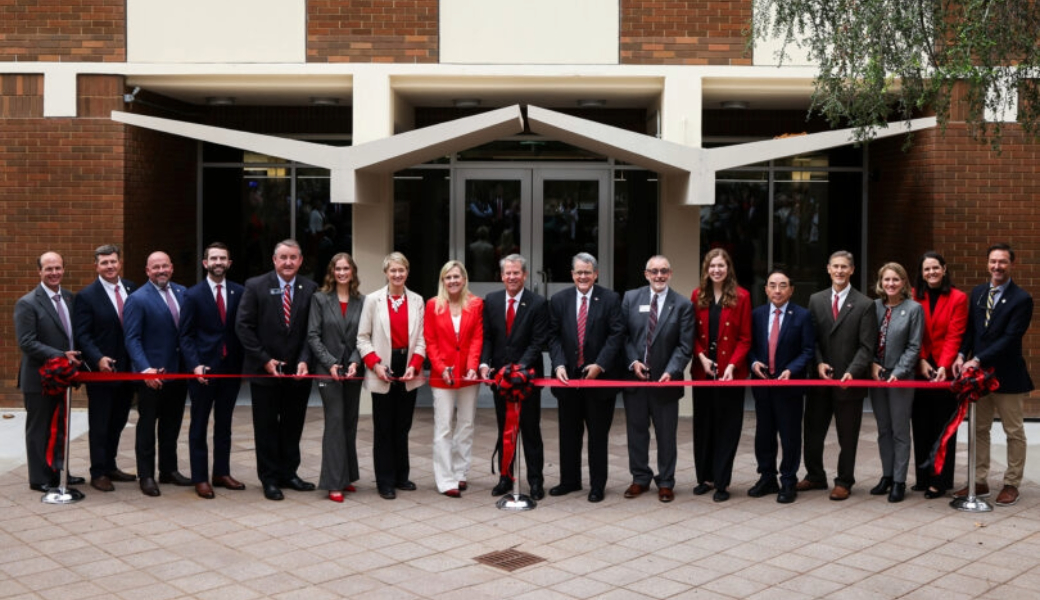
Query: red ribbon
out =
(973, 384)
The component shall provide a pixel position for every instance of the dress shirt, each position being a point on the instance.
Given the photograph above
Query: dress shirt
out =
(996, 297)
(163, 295)
(281, 286)
(783, 313)
(110, 290)
(577, 303)
(842, 295)
(516, 305)
(223, 289)
(68, 313)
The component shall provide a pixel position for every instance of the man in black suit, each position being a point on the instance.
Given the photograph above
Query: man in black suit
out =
(272, 326)
(586, 339)
(782, 346)
(44, 331)
(209, 344)
(999, 316)
(846, 335)
(97, 320)
(658, 344)
(516, 326)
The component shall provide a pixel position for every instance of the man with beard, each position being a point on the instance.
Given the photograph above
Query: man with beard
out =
(210, 346)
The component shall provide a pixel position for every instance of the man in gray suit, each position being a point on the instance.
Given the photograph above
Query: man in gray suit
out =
(43, 324)
(658, 343)
(846, 335)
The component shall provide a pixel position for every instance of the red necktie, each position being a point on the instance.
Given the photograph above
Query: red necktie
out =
(835, 309)
(222, 311)
(287, 304)
(583, 317)
(119, 303)
(774, 337)
(510, 315)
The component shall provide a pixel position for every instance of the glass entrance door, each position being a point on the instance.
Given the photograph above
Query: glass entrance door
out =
(548, 215)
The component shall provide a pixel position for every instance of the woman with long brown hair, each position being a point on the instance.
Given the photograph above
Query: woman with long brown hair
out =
(721, 345)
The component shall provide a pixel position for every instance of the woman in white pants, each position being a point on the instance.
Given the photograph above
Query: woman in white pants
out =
(454, 331)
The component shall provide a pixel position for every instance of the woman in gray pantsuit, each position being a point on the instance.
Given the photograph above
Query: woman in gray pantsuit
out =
(900, 323)
(332, 335)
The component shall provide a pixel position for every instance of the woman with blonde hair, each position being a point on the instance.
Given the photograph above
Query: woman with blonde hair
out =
(454, 331)
(721, 345)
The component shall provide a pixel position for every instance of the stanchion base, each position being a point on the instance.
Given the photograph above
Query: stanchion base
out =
(971, 504)
(517, 502)
(62, 496)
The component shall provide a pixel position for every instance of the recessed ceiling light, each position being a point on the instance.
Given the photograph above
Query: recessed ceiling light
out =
(325, 101)
(220, 100)
(735, 105)
(592, 103)
(466, 102)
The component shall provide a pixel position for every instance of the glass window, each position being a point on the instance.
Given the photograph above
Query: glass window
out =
(421, 224)
(738, 222)
(635, 226)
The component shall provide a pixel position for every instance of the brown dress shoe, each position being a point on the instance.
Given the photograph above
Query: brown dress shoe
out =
(665, 494)
(635, 490)
(117, 475)
(228, 482)
(981, 491)
(205, 490)
(102, 484)
(840, 492)
(805, 485)
(1007, 496)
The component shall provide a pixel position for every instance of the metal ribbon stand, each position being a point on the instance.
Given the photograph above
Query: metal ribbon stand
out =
(514, 500)
(971, 502)
(63, 494)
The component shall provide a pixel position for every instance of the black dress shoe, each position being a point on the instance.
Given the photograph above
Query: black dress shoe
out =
(40, 487)
(787, 494)
(272, 492)
(407, 486)
(933, 494)
(387, 493)
(703, 488)
(73, 480)
(720, 496)
(537, 491)
(919, 487)
(149, 487)
(596, 495)
(503, 487)
(175, 478)
(563, 490)
(765, 485)
(298, 484)
(882, 487)
(117, 475)
(898, 492)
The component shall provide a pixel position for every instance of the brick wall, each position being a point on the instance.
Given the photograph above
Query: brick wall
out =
(685, 32)
(61, 184)
(387, 31)
(63, 30)
(957, 196)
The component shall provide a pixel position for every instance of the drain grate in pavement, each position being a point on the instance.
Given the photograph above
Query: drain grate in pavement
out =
(509, 560)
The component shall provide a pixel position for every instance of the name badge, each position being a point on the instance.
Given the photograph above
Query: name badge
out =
(644, 308)
(275, 291)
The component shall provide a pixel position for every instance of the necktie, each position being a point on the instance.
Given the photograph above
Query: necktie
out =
(287, 303)
(222, 311)
(510, 315)
(119, 302)
(173, 306)
(774, 337)
(650, 327)
(989, 304)
(583, 317)
(64, 318)
(834, 310)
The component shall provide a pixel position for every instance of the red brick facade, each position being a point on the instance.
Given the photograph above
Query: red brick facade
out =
(372, 31)
(63, 30)
(685, 32)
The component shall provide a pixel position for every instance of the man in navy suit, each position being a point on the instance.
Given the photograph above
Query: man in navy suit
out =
(210, 345)
(151, 317)
(586, 339)
(782, 348)
(272, 326)
(659, 327)
(44, 331)
(517, 337)
(97, 320)
(998, 318)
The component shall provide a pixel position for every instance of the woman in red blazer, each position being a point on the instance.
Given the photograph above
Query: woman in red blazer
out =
(454, 331)
(945, 320)
(721, 345)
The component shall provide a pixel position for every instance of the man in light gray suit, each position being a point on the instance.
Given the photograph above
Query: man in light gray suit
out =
(43, 324)
(658, 344)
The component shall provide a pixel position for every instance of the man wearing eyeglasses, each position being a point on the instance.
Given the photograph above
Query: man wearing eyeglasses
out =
(658, 344)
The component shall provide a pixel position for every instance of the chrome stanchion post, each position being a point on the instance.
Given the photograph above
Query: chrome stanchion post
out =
(63, 494)
(971, 502)
(516, 500)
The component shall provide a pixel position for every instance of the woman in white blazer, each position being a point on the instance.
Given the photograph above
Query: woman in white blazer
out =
(390, 341)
